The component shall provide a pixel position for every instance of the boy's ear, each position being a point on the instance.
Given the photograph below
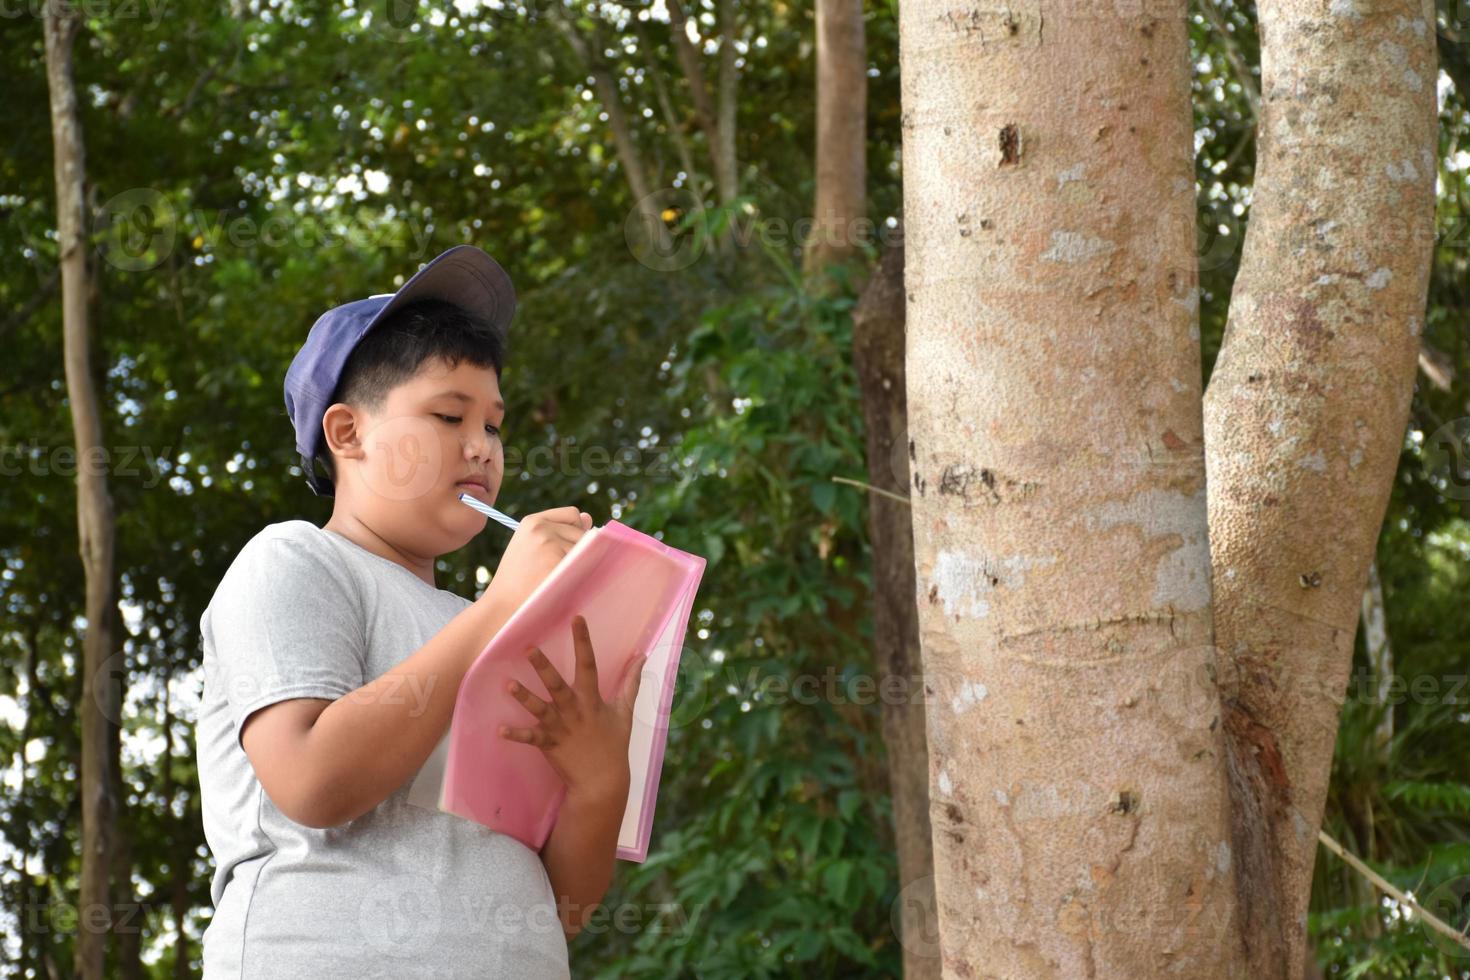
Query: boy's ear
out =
(342, 431)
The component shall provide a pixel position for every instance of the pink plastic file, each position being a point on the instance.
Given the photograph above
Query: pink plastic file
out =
(636, 593)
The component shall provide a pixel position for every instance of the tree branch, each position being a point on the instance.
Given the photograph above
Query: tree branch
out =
(1382, 884)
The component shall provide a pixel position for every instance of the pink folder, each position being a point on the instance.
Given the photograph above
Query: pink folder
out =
(636, 593)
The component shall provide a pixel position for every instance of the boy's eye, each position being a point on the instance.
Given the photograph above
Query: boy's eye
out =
(494, 430)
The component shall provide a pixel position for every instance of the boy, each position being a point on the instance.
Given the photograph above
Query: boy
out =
(332, 662)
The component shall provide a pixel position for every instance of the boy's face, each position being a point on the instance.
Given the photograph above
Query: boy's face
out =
(406, 465)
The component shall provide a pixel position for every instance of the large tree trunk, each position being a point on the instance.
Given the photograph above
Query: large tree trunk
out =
(842, 105)
(1080, 811)
(94, 506)
(1305, 413)
(877, 353)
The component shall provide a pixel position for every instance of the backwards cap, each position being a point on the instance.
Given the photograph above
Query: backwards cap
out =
(464, 276)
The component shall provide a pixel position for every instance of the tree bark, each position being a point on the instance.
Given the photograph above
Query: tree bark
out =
(94, 506)
(1080, 811)
(128, 917)
(877, 353)
(183, 861)
(1305, 414)
(729, 81)
(842, 148)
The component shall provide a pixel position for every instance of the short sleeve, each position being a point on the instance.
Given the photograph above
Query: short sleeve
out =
(286, 622)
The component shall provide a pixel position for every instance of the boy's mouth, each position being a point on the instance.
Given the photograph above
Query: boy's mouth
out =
(473, 487)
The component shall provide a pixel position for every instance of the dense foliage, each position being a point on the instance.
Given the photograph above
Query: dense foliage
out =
(251, 165)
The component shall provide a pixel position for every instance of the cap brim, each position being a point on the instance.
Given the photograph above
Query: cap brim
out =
(466, 277)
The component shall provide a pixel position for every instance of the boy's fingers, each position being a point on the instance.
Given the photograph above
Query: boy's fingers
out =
(633, 680)
(531, 736)
(533, 704)
(568, 533)
(585, 675)
(562, 515)
(555, 685)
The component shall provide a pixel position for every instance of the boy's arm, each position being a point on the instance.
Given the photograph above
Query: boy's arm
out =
(324, 763)
(580, 852)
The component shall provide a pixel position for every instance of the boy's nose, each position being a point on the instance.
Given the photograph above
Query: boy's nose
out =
(481, 448)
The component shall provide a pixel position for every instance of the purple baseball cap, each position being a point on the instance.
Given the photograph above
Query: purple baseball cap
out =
(464, 276)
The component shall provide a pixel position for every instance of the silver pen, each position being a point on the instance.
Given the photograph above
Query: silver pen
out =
(489, 511)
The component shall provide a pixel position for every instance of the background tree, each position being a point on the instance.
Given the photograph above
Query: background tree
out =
(94, 506)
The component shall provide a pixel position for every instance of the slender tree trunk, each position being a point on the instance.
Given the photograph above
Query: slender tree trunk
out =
(1380, 658)
(32, 940)
(591, 58)
(877, 352)
(1080, 810)
(842, 148)
(182, 861)
(128, 920)
(716, 121)
(704, 107)
(1305, 413)
(94, 506)
(726, 168)
(675, 125)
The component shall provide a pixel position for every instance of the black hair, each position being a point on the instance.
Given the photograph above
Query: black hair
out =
(395, 350)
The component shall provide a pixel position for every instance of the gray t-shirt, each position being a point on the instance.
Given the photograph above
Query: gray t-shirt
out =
(402, 891)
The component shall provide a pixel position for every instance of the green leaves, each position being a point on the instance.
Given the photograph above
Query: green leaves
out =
(1445, 797)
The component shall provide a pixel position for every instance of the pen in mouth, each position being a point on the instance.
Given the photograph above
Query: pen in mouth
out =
(489, 511)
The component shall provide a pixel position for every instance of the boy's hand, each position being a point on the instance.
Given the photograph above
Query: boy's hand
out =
(583, 737)
(541, 542)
